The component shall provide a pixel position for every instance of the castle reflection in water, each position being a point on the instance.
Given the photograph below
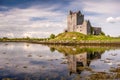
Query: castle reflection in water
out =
(79, 58)
(78, 62)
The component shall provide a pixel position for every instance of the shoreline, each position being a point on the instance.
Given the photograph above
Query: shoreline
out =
(83, 43)
(80, 43)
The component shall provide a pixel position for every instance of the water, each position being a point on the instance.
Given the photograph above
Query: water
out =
(25, 61)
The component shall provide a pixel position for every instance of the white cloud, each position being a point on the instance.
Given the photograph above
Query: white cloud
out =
(113, 20)
(118, 19)
(36, 34)
(103, 6)
(100, 7)
(19, 21)
(51, 19)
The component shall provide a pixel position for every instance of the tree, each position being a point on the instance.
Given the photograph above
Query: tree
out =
(102, 33)
(5, 37)
(27, 37)
(92, 29)
(52, 36)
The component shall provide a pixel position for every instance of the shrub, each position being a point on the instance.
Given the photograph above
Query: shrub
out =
(52, 36)
(102, 33)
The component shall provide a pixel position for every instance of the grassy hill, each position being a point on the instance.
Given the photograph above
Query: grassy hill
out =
(76, 36)
(70, 36)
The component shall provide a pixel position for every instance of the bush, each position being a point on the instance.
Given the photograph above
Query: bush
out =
(102, 33)
(52, 36)
(5, 37)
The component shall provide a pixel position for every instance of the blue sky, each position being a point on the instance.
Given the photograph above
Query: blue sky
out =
(40, 18)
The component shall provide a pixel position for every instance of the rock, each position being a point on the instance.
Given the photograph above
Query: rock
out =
(24, 66)
(6, 44)
(118, 65)
(1, 68)
(108, 59)
(114, 54)
(64, 62)
(63, 58)
(40, 56)
(50, 60)
(9, 79)
(30, 55)
(4, 53)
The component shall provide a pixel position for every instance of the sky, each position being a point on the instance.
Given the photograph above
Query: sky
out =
(40, 18)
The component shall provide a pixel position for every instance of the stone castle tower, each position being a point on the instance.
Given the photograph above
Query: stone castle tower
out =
(76, 23)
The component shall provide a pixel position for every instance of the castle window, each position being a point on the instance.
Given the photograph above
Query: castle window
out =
(80, 26)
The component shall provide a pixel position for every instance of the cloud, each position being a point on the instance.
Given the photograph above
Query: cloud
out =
(6, 34)
(21, 22)
(36, 34)
(51, 17)
(113, 20)
(97, 7)
(118, 19)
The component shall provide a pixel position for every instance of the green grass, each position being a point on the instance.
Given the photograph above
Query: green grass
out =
(69, 37)
(76, 36)
(22, 39)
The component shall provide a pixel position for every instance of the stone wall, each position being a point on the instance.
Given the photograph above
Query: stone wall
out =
(96, 30)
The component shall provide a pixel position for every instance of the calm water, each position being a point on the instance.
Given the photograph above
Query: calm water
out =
(25, 61)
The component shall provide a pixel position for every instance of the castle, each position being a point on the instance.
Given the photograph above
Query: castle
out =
(76, 23)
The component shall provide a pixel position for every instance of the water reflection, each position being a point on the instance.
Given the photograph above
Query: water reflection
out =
(79, 57)
(25, 61)
(88, 61)
(77, 63)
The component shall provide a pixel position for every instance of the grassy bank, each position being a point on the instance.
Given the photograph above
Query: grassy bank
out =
(69, 38)
(22, 39)
(78, 38)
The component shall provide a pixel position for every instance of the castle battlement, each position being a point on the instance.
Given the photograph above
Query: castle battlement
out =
(76, 23)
